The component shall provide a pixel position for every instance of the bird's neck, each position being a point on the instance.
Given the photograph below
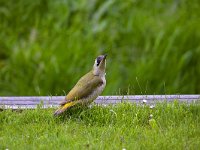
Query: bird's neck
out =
(98, 72)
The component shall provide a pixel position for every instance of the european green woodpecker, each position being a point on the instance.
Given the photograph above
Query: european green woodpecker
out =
(88, 88)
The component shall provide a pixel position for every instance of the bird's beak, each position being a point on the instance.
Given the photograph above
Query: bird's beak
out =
(104, 56)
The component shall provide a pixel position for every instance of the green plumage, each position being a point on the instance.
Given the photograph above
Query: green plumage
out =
(87, 88)
(84, 87)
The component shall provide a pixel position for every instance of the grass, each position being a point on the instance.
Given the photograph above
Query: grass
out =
(173, 126)
(153, 47)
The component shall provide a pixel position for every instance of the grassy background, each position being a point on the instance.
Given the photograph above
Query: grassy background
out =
(152, 46)
(173, 126)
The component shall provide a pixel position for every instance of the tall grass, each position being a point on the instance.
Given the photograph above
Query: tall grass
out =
(47, 45)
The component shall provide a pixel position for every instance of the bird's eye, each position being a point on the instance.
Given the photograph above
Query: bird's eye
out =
(98, 61)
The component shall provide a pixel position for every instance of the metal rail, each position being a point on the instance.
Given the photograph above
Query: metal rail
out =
(31, 102)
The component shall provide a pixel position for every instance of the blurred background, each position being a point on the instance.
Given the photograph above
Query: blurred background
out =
(153, 47)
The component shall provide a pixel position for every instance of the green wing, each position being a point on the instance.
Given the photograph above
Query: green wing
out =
(84, 87)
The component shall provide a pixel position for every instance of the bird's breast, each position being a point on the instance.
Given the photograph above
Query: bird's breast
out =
(96, 92)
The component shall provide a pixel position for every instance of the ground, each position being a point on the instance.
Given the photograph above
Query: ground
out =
(123, 126)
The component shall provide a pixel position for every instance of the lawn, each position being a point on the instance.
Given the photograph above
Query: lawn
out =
(122, 126)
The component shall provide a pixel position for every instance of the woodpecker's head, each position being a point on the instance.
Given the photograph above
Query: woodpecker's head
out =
(100, 65)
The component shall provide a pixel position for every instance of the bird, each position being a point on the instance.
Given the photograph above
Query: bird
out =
(88, 87)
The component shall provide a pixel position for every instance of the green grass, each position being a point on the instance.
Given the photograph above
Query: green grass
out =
(173, 126)
(153, 47)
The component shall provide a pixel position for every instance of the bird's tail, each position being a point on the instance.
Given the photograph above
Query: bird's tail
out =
(64, 107)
